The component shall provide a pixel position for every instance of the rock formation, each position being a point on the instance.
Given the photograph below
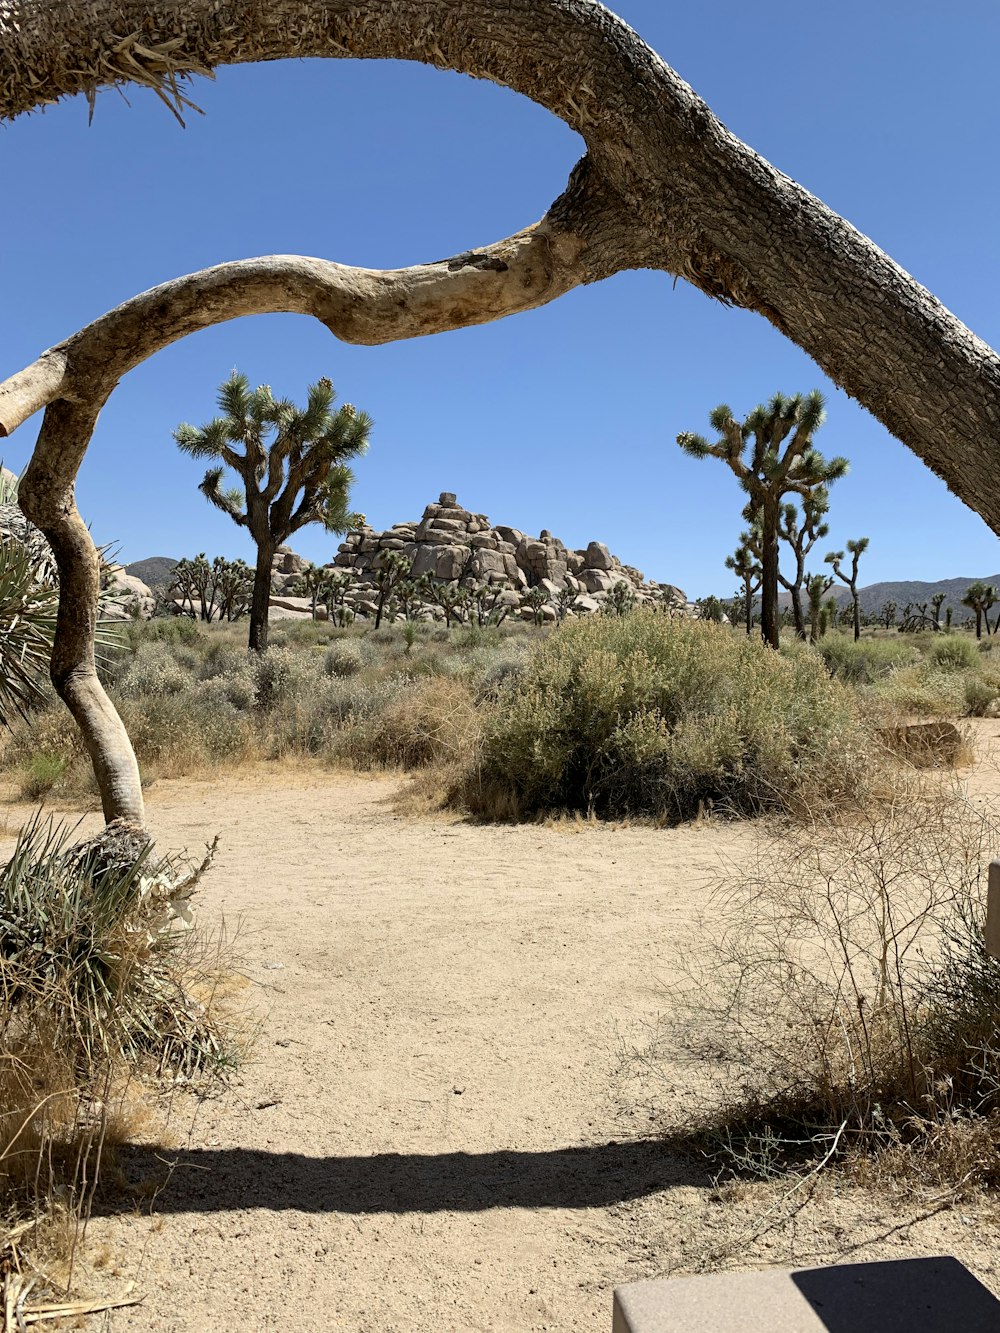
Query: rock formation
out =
(452, 545)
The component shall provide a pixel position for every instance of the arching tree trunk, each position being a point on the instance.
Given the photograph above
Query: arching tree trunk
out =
(47, 500)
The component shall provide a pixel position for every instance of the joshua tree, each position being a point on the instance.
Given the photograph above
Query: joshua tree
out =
(488, 604)
(817, 586)
(745, 565)
(233, 587)
(990, 600)
(887, 615)
(620, 600)
(335, 590)
(802, 533)
(710, 608)
(195, 579)
(392, 568)
(772, 455)
(836, 559)
(537, 599)
(312, 583)
(453, 600)
(936, 603)
(979, 597)
(563, 603)
(183, 582)
(292, 467)
(407, 595)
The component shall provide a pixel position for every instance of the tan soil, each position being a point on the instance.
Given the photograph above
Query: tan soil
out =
(437, 1128)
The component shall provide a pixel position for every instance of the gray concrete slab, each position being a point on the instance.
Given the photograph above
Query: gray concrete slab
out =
(937, 1295)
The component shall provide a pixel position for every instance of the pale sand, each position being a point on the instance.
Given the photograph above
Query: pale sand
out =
(437, 1128)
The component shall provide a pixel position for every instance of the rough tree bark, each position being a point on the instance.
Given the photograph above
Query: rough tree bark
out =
(663, 185)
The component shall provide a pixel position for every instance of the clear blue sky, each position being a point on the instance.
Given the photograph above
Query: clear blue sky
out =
(563, 418)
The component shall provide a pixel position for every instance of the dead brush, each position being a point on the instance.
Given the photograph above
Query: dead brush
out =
(840, 985)
(96, 999)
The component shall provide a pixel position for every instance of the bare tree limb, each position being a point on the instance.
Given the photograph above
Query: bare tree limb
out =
(359, 305)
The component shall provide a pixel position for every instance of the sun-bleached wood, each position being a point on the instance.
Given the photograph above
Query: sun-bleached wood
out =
(663, 185)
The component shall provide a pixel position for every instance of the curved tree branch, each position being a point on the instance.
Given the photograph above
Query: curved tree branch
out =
(358, 305)
(664, 185)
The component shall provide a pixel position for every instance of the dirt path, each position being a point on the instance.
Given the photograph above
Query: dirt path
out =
(435, 1129)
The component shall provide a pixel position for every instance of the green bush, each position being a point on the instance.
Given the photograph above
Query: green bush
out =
(343, 659)
(867, 660)
(919, 692)
(42, 774)
(647, 715)
(980, 695)
(955, 652)
(154, 670)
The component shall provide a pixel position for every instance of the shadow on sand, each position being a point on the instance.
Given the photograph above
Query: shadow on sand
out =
(219, 1179)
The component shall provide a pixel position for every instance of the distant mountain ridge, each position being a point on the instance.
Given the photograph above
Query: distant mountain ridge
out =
(875, 595)
(154, 571)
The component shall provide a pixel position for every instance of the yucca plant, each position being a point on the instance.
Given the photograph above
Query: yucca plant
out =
(88, 941)
(27, 628)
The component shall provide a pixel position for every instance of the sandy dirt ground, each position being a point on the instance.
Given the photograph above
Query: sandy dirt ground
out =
(439, 1125)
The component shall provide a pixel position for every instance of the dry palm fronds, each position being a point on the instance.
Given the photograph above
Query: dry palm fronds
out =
(19, 1279)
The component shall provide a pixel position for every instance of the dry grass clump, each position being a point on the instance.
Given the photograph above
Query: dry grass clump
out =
(944, 675)
(868, 660)
(93, 959)
(843, 992)
(98, 981)
(435, 721)
(646, 715)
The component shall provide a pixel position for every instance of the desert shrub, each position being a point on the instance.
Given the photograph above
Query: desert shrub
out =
(386, 635)
(280, 674)
(428, 662)
(164, 629)
(841, 984)
(867, 660)
(311, 723)
(955, 652)
(153, 670)
(220, 657)
(343, 658)
(42, 773)
(502, 670)
(182, 733)
(981, 693)
(921, 692)
(50, 731)
(432, 721)
(237, 688)
(644, 714)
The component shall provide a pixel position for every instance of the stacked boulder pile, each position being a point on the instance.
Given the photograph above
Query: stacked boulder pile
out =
(452, 545)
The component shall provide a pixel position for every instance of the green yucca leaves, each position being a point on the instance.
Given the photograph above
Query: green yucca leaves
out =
(27, 629)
